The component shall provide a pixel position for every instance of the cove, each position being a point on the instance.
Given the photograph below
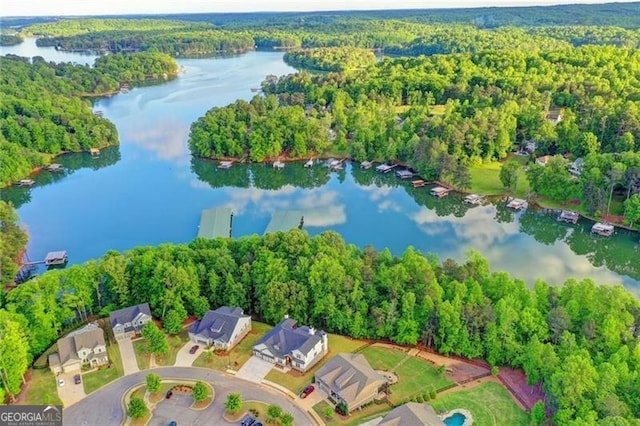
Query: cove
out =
(150, 191)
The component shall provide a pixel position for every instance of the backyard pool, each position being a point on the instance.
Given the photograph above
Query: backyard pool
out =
(457, 419)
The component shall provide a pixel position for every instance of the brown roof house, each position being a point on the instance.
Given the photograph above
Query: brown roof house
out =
(349, 378)
(129, 321)
(288, 345)
(222, 329)
(413, 414)
(83, 346)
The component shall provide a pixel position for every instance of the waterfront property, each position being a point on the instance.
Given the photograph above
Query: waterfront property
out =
(83, 346)
(128, 322)
(215, 223)
(385, 168)
(221, 329)
(568, 217)
(349, 379)
(285, 221)
(405, 174)
(440, 191)
(56, 258)
(517, 204)
(474, 199)
(603, 229)
(288, 345)
(225, 164)
(412, 413)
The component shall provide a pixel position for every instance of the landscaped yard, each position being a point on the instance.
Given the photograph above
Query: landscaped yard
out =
(489, 403)
(96, 379)
(175, 343)
(42, 389)
(355, 418)
(296, 382)
(382, 358)
(238, 355)
(416, 376)
(485, 179)
(142, 356)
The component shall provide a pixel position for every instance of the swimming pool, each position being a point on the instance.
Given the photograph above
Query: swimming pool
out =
(457, 419)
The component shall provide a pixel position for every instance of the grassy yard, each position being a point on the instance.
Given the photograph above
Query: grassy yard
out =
(96, 379)
(485, 179)
(238, 355)
(355, 418)
(142, 356)
(383, 358)
(296, 382)
(42, 389)
(416, 376)
(489, 403)
(175, 343)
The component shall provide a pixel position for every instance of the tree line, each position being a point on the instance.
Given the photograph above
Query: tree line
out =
(44, 108)
(580, 340)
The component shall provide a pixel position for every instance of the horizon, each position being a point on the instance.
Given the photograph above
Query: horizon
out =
(94, 8)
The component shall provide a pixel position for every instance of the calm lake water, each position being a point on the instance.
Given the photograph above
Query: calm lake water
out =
(150, 191)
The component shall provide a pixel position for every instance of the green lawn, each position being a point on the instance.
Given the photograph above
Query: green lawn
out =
(238, 355)
(96, 379)
(142, 356)
(485, 179)
(416, 376)
(489, 403)
(296, 382)
(42, 388)
(383, 358)
(357, 417)
(175, 343)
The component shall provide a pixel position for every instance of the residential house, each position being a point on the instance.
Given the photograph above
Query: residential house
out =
(542, 161)
(349, 378)
(128, 322)
(221, 329)
(287, 345)
(575, 168)
(531, 147)
(554, 116)
(83, 346)
(413, 414)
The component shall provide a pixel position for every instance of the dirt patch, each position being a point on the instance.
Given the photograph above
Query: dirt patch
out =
(458, 370)
(516, 382)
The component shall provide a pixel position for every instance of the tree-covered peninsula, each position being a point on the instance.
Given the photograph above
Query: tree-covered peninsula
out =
(45, 107)
(580, 340)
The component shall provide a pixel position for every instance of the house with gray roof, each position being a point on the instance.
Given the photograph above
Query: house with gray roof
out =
(288, 345)
(221, 329)
(83, 346)
(348, 378)
(413, 414)
(128, 322)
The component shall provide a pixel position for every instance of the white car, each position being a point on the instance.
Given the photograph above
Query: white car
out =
(61, 382)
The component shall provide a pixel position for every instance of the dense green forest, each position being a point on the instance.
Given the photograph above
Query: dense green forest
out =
(581, 340)
(330, 58)
(10, 39)
(44, 110)
(13, 240)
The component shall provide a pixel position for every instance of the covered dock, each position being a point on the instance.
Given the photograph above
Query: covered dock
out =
(603, 229)
(419, 183)
(55, 258)
(405, 174)
(284, 221)
(26, 182)
(366, 165)
(440, 191)
(278, 165)
(309, 163)
(474, 199)
(55, 167)
(215, 223)
(517, 204)
(225, 164)
(94, 152)
(568, 217)
(385, 168)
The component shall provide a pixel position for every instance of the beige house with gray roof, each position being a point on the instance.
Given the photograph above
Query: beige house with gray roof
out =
(350, 379)
(83, 346)
(413, 414)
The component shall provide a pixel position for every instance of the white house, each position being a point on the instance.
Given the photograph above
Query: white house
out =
(221, 329)
(83, 346)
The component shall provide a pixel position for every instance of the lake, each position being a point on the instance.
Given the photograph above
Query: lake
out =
(150, 191)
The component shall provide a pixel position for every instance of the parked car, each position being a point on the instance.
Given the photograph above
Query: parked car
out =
(305, 393)
(257, 424)
(193, 349)
(60, 382)
(173, 423)
(248, 421)
(169, 394)
(76, 379)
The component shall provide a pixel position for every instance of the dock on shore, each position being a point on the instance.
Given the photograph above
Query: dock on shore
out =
(284, 221)
(215, 223)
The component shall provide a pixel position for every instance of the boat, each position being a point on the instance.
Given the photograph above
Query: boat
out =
(439, 191)
(517, 204)
(474, 199)
(568, 217)
(26, 182)
(603, 229)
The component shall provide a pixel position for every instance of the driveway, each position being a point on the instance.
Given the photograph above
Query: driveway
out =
(184, 358)
(70, 393)
(314, 397)
(254, 370)
(129, 361)
(105, 406)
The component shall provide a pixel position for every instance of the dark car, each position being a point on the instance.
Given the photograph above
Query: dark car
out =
(76, 379)
(169, 394)
(193, 349)
(173, 423)
(257, 424)
(248, 421)
(305, 393)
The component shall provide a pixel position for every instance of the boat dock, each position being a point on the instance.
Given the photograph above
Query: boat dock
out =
(517, 204)
(215, 223)
(334, 165)
(440, 191)
(278, 165)
(405, 174)
(385, 168)
(603, 229)
(26, 182)
(94, 152)
(366, 165)
(55, 167)
(568, 217)
(284, 221)
(309, 163)
(474, 199)
(225, 164)
(56, 258)
(419, 183)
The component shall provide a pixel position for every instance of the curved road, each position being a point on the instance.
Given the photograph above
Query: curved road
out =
(104, 406)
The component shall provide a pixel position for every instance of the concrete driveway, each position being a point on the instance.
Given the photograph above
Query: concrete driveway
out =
(254, 370)
(314, 397)
(184, 358)
(129, 361)
(70, 393)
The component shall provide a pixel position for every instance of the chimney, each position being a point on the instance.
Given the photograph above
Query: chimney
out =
(286, 316)
(312, 331)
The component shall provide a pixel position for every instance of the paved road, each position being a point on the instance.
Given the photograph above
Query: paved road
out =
(104, 407)
(128, 356)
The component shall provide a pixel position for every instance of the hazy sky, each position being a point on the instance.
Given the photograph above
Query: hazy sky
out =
(112, 7)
